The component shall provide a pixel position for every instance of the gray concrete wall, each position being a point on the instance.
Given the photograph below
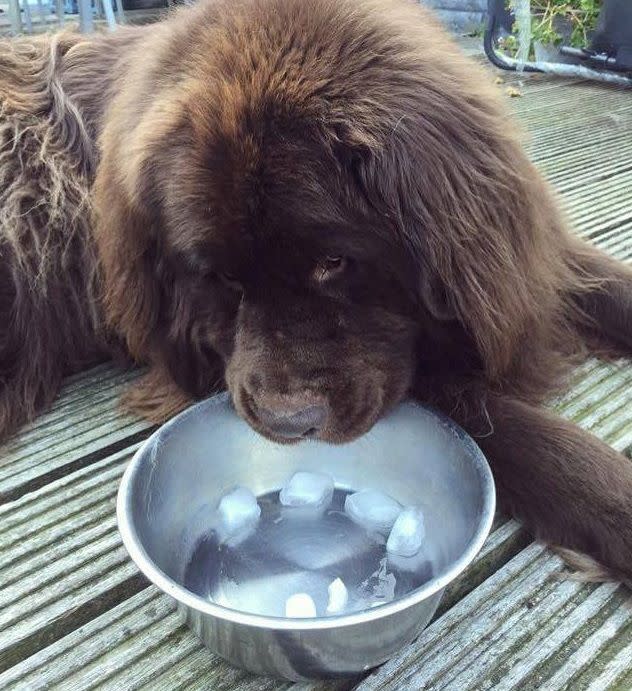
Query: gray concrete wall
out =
(460, 16)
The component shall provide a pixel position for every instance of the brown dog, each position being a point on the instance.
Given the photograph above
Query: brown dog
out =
(318, 204)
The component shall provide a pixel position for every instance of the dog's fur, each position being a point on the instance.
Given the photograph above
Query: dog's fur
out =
(313, 203)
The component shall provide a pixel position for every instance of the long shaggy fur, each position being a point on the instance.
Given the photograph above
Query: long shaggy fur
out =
(45, 160)
(321, 206)
(47, 257)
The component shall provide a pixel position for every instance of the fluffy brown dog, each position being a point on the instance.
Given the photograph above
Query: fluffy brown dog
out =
(318, 204)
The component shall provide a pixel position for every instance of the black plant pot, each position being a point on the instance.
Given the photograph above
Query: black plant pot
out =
(144, 4)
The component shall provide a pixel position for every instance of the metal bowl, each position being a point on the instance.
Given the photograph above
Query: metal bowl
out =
(414, 454)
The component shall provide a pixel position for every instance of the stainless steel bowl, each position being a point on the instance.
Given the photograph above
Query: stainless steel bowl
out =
(414, 454)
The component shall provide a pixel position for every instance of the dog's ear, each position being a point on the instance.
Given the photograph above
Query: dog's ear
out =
(127, 261)
(127, 209)
(477, 219)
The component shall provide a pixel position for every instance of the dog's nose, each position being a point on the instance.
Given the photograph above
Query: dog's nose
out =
(293, 423)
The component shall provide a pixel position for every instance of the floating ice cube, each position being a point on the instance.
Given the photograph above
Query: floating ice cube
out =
(268, 593)
(238, 514)
(338, 596)
(300, 606)
(419, 564)
(307, 489)
(379, 587)
(408, 532)
(373, 509)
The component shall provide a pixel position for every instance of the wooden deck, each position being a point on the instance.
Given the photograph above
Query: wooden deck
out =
(75, 613)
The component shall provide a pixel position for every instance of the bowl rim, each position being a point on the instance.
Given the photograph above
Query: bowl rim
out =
(195, 602)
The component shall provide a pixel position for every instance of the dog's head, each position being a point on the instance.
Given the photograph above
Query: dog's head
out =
(309, 202)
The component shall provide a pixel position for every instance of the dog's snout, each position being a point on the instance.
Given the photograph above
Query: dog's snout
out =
(292, 422)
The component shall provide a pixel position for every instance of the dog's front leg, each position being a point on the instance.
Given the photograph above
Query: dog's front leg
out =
(569, 488)
(608, 305)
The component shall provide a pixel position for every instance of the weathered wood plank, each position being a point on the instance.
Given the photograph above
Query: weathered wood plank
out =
(440, 644)
(61, 559)
(583, 657)
(511, 632)
(84, 425)
(557, 142)
(616, 674)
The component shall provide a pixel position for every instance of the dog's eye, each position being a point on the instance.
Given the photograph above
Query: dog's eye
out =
(330, 267)
(230, 281)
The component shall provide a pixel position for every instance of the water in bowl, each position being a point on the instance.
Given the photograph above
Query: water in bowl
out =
(295, 550)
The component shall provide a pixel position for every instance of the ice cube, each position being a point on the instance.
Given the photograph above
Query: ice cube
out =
(300, 606)
(373, 509)
(238, 514)
(267, 593)
(307, 489)
(408, 532)
(384, 590)
(379, 587)
(419, 564)
(338, 596)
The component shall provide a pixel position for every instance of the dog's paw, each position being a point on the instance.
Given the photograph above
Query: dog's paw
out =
(155, 397)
